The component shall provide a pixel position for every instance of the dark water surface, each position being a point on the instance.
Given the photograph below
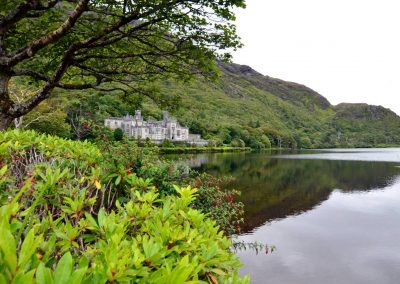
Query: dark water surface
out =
(334, 216)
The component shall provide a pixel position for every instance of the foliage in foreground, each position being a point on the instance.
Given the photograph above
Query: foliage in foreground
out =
(220, 204)
(65, 219)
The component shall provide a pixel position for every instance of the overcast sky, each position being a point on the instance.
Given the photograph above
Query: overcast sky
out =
(347, 50)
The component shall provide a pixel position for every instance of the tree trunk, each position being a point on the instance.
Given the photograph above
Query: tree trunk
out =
(5, 122)
(18, 122)
(5, 101)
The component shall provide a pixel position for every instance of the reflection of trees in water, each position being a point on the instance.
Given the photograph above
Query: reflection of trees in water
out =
(277, 188)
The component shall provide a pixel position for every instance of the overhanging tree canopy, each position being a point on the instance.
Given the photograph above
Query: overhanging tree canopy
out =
(81, 44)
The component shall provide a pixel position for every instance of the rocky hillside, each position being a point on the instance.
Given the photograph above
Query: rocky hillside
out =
(295, 93)
(366, 124)
(245, 105)
(363, 112)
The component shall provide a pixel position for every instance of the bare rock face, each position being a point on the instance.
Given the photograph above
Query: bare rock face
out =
(295, 93)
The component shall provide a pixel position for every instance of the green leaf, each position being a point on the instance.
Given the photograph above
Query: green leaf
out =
(8, 249)
(218, 271)
(24, 278)
(83, 262)
(118, 180)
(27, 249)
(3, 279)
(101, 217)
(77, 276)
(166, 209)
(180, 274)
(43, 274)
(3, 170)
(64, 269)
(91, 220)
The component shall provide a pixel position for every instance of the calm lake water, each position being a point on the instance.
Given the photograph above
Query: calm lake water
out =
(334, 216)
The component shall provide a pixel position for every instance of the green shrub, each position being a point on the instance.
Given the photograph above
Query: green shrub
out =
(125, 158)
(218, 203)
(167, 144)
(255, 144)
(238, 143)
(305, 142)
(265, 140)
(67, 217)
(118, 134)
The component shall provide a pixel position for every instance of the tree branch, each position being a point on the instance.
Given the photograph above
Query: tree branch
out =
(44, 78)
(98, 82)
(145, 24)
(19, 13)
(51, 37)
(30, 73)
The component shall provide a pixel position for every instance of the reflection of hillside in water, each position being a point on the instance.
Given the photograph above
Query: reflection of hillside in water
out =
(196, 161)
(276, 188)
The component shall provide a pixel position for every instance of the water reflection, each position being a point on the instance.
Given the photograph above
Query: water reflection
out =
(333, 220)
(274, 188)
(350, 238)
(368, 154)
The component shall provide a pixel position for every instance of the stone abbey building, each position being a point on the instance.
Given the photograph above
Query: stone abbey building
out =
(157, 131)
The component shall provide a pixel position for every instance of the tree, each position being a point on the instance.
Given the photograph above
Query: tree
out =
(82, 44)
(225, 135)
(118, 134)
(305, 142)
(265, 140)
(237, 142)
(47, 117)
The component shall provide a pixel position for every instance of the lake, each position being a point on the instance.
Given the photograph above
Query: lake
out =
(333, 215)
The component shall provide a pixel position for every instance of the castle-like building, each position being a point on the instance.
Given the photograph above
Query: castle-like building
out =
(157, 131)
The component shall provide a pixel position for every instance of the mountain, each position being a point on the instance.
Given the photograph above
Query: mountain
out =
(364, 112)
(364, 125)
(245, 107)
(288, 91)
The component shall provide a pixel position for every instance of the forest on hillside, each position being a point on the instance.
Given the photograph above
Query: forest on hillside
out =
(239, 108)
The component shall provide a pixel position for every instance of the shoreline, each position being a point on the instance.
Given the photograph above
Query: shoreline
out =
(196, 150)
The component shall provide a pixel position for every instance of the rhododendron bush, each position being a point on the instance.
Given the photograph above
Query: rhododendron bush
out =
(68, 215)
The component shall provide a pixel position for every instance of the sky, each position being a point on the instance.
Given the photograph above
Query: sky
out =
(346, 50)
